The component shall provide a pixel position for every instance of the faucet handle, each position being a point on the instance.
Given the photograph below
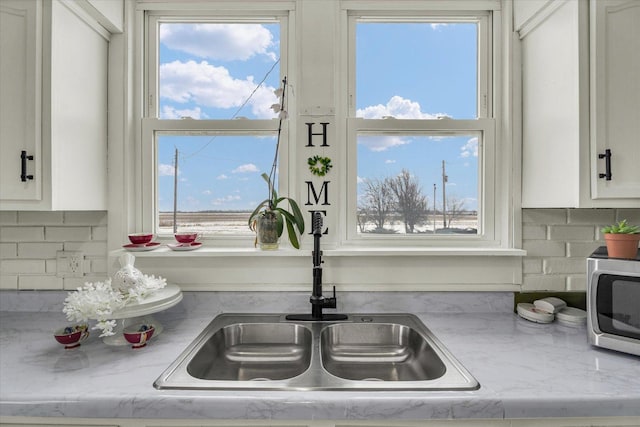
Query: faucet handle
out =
(331, 302)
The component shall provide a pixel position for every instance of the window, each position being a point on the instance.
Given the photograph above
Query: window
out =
(209, 127)
(421, 129)
(410, 93)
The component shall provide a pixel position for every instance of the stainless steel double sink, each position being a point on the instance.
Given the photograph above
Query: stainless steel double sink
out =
(364, 352)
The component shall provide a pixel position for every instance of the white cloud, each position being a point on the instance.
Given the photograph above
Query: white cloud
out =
(225, 199)
(470, 149)
(166, 170)
(211, 86)
(226, 42)
(382, 143)
(389, 162)
(221, 177)
(170, 113)
(399, 108)
(247, 168)
(207, 192)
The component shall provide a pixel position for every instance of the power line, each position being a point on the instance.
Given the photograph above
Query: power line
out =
(186, 157)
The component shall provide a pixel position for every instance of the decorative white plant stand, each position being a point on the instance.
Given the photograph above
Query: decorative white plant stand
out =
(141, 313)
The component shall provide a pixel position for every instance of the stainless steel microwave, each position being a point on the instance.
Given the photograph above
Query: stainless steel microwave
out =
(613, 302)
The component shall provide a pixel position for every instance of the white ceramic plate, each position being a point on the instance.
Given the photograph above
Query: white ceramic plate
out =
(184, 246)
(141, 247)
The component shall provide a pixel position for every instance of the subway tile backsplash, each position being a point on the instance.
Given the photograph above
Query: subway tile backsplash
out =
(30, 242)
(557, 242)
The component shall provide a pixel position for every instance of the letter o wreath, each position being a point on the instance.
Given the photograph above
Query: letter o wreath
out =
(319, 166)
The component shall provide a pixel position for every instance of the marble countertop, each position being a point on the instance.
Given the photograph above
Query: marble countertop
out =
(526, 370)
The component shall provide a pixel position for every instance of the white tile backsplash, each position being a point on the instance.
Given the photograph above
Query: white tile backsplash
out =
(556, 240)
(30, 240)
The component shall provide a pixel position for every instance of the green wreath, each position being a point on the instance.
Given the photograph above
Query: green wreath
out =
(319, 166)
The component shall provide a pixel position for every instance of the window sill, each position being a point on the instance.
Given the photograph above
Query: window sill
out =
(349, 269)
(205, 252)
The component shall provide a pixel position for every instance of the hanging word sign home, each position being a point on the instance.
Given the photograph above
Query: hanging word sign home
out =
(318, 166)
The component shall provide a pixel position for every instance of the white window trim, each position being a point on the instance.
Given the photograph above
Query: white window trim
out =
(149, 158)
(492, 213)
(350, 268)
(247, 12)
(236, 15)
(486, 165)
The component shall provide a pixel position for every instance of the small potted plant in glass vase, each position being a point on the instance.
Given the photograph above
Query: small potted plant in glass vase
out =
(622, 240)
(271, 215)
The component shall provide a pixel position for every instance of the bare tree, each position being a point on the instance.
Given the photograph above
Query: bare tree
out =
(455, 207)
(378, 200)
(362, 217)
(410, 201)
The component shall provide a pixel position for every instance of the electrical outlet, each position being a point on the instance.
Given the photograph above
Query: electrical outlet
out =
(69, 263)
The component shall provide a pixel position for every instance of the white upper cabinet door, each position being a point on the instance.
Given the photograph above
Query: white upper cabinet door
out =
(20, 86)
(615, 101)
(580, 102)
(53, 132)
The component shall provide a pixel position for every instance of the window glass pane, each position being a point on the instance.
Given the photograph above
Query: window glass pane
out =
(219, 181)
(401, 181)
(218, 70)
(417, 70)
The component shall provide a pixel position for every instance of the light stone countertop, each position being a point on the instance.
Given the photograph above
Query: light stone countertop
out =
(526, 370)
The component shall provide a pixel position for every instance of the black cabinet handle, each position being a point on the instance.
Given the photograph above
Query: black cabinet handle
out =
(607, 164)
(23, 159)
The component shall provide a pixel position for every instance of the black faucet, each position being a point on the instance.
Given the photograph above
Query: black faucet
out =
(317, 300)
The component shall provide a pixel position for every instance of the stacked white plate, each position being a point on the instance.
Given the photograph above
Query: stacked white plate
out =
(530, 312)
(546, 310)
(572, 316)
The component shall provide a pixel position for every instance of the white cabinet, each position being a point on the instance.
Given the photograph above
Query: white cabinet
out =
(579, 98)
(54, 66)
(20, 86)
(615, 101)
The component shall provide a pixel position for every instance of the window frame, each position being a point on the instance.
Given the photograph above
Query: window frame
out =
(350, 267)
(486, 150)
(486, 124)
(152, 124)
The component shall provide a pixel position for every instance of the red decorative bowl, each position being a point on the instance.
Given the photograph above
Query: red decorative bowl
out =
(138, 335)
(71, 336)
(186, 237)
(140, 238)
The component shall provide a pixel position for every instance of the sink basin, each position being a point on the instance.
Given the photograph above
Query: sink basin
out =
(253, 351)
(269, 352)
(379, 352)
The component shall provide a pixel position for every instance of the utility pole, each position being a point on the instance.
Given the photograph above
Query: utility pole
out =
(444, 197)
(434, 208)
(175, 193)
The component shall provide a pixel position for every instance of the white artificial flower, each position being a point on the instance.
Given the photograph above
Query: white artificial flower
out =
(275, 107)
(99, 301)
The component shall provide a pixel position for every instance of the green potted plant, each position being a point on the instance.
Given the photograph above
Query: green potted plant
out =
(270, 217)
(622, 239)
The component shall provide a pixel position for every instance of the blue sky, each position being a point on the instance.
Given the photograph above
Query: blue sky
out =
(403, 70)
